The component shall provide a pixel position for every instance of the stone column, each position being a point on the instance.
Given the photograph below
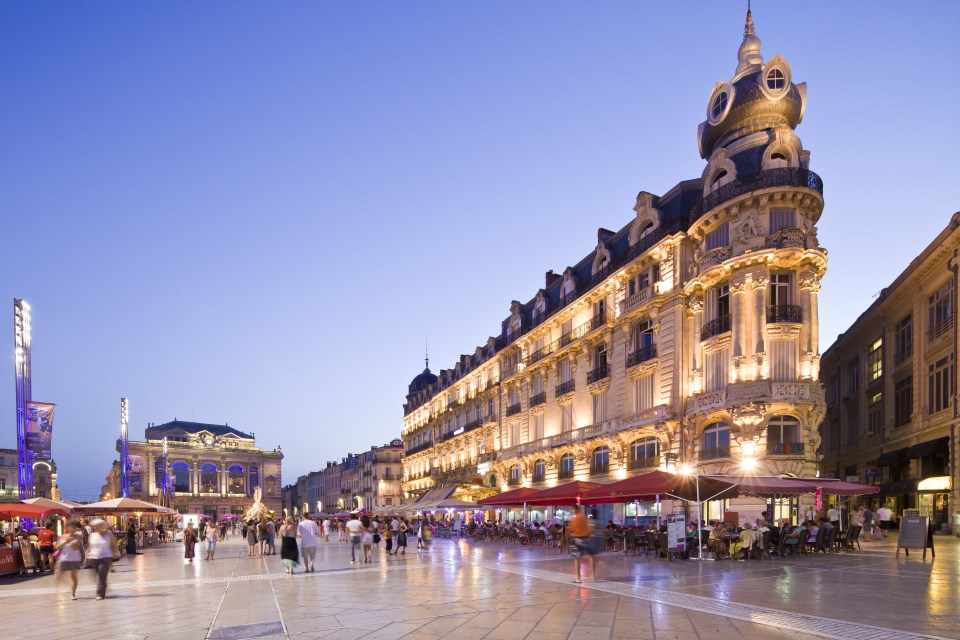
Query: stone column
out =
(696, 352)
(760, 282)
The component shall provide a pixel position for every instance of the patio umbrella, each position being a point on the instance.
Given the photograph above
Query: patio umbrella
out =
(121, 505)
(649, 486)
(50, 504)
(11, 510)
(514, 498)
(767, 486)
(564, 494)
(456, 505)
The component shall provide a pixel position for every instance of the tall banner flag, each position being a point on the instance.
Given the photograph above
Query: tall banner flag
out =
(134, 473)
(39, 429)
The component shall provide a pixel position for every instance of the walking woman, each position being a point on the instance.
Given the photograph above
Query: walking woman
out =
(388, 536)
(189, 541)
(402, 538)
(101, 550)
(213, 536)
(289, 556)
(70, 555)
(367, 537)
(251, 539)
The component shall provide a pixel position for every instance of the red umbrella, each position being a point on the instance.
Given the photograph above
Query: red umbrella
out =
(765, 486)
(564, 494)
(839, 488)
(514, 498)
(20, 510)
(660, 483)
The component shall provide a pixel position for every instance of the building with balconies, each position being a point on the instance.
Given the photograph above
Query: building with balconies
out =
(689, 337)
(891, 394)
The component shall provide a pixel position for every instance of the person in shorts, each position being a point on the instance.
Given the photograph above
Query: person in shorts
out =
(308, 532)
(46, 539)
(579, 531)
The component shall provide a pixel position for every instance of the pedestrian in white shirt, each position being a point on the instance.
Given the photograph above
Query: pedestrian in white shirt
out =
(101, 550)
(308, 532)
(885, 515)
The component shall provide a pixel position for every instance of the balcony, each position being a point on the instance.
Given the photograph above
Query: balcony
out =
(786, 177)
(715, 327)
(513, 409)
(641, 355)
(903, 355)
(565, 387)
(644, 463)
(785, 238)
(598, 374)
(538, 399)
(714, 454)
(784, 448)
(940, 329)
(636, 299)
(784, 313)
(419, 448)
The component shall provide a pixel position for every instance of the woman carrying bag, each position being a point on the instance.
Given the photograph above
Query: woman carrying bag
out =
(102, 550)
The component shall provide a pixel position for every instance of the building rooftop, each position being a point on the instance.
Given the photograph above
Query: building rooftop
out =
(157, 432)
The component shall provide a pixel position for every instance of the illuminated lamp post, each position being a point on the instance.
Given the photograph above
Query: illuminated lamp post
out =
(21, 330)
(124, 408)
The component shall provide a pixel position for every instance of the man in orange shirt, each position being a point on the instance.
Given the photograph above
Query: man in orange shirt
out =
(46, 538)
(579, 529)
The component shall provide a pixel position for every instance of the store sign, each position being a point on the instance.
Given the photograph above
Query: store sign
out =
(937, 483)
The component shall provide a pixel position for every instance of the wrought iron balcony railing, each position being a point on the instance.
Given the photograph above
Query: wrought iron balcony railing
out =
(644, 353)
(785, 177)
(784, 448)
(715, 453)
(780, 313)
(643, 463)
(513, 409)
(565, 387)
(715, 327)
(598, 374)
(538, 398)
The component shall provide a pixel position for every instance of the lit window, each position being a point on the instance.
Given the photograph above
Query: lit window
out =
(875, 360)
(566, 466)
(716, 441)
(539, 471)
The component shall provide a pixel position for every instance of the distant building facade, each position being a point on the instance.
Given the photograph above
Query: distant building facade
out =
(44, 477)
(369, 480)
(211, 469)
(687, 338)
(891, 392)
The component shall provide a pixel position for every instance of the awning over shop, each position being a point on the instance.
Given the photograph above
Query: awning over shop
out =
(898, 486)
(890, 457)
(929, 448)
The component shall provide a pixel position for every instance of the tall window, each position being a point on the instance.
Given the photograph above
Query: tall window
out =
(779, 289)
(566, 371)
(643, 392)
(720, 237)
(208, 478)
(853, 376)
(903, 402)
(539, 471)
(516, 475)
(783, 360)
(875, 360)
(537, 384)
(903, 340)
(717, 369)
(875, 415)
(536, 422)
(566, 466)
(599, 407)
(716, 441)
(721, 301)
(782, 219)
(601, 460)
(642, 335)
(941, 310)
(941, 384)
(783, 436)
(600, 357)
(235, 479)
(181, 477)
(566, 417)
(645, 453)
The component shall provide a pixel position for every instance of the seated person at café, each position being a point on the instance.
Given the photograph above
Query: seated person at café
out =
(612, 525)
(812, 531)
(717, 541)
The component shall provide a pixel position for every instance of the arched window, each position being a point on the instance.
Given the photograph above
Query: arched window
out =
(716, 441)
(181, 477)
(566, 466)
(783, 436)
(600, 462)
(539, 471)
(720, 104)
(208, 478)
(254, 478)
(235, 479)
(645, 453)
(516, 475)
(493, 481)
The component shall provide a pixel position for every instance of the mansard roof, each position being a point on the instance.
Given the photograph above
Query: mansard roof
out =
(157, 432)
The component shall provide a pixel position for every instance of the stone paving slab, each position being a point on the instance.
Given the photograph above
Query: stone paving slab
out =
(470, 590)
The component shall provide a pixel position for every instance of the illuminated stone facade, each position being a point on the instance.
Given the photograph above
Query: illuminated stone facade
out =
(890, 389)
(687, 338)
(212, 469)
(44, 477)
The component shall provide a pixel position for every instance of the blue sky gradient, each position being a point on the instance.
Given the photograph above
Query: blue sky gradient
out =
(254, 212)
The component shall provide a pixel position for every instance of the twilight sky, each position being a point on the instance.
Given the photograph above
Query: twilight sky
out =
(254, 213)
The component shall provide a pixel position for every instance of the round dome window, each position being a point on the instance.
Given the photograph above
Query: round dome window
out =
(721, 100)
(776, 81)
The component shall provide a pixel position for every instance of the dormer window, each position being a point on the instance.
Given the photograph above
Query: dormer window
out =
(719, 104)
(775, 79)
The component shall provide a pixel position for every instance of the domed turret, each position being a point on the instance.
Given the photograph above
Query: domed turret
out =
(422, 381)
(756, 106)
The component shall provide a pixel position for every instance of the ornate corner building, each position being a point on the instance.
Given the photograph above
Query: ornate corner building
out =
(688, 337)
(891, 391)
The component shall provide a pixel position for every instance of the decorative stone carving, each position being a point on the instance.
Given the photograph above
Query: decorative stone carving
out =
(695, 304)
(748, 416)
(810, 280)
(790, 391)
(715, 257)
(748, 227)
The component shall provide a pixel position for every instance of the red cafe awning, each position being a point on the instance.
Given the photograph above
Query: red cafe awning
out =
(768, 486)
(513, 498)
(20, 510)
(648, 486)
(840, 488)
(565, 494)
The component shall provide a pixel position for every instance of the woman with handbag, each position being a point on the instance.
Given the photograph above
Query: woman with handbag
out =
(102, 550)
(69, 554)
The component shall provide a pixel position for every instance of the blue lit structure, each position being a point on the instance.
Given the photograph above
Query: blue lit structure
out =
(124, 457)
(21, 329)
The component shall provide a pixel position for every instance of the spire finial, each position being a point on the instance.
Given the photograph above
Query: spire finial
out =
(748, 27)
(426, 352)
(749, 54)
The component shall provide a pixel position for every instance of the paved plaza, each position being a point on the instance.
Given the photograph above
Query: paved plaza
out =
(463, 589)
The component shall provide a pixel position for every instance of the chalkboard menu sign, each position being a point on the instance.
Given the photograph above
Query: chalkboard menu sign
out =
(915, 533)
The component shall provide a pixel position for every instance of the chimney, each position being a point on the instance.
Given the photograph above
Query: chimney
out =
(552, 277)
(603, 235)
